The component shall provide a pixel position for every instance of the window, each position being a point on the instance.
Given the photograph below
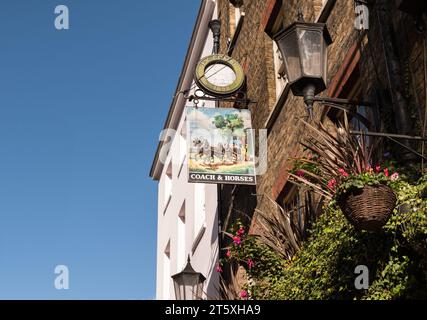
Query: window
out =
(279, 68)
(166, 272)
(318, 6)
(199, 207)
(275, 24)
(182, 152)
(356, 123)
(291, 201)
(168, 186)
(181, 238)
(236, 10)
(237, 15)
(361, 118)
(234, 22)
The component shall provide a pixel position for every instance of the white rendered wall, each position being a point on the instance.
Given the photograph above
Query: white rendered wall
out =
(191, 209)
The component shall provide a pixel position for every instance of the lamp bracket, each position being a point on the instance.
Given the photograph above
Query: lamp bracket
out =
(339, 101)
(388, 135)
(393, 137)
(344, 105)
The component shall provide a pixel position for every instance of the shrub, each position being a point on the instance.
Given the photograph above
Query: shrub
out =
(324, 268)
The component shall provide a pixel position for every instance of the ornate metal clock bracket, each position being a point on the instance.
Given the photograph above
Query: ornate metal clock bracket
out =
(216, 67)
(200, 95)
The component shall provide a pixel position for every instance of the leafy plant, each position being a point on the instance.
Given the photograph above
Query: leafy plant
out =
(324, 268)
(277, 230)
(338, 161)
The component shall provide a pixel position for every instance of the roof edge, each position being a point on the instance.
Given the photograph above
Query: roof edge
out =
(156, 166)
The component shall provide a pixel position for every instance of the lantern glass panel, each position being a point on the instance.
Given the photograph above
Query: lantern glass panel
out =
(311, 49)
(289, 47)
(188, 286)
(325, 45)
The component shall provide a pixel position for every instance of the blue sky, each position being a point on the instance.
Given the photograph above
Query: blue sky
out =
(80, 114)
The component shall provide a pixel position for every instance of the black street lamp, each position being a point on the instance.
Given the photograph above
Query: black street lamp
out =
(303, 47)
(304, 51)
(188, 283)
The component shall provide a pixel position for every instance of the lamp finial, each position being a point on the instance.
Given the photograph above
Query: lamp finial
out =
(300, 15)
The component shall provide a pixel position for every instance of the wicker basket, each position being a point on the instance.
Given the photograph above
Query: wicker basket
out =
(368, 208)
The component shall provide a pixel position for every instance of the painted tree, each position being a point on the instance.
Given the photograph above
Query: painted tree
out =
(229, 123)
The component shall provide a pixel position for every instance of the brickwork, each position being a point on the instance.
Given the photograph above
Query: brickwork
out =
(254, 49)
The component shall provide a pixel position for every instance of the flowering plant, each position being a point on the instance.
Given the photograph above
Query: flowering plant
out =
(253, 256)
(338, 161)
(371, 177)
(238, 236)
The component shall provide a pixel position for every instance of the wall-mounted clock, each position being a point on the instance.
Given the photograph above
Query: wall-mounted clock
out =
(219, 75)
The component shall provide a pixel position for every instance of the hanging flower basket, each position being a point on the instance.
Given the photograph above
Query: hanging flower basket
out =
(368, 208)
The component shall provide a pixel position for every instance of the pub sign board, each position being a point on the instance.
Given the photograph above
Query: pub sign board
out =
(220, 146)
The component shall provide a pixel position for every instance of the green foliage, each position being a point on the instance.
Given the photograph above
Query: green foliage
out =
(219, 122)
(324, 267)
(229, 122)
(365, 179)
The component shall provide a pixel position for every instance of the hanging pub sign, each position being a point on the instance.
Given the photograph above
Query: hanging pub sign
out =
(220, 146)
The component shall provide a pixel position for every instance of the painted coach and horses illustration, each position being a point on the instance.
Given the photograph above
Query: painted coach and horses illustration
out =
(220, 141)
(224, 153)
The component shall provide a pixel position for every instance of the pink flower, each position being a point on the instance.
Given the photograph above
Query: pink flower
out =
(343, 173)
(241, 231)
(251, 264)
(332, 184)
(243, 294)
(228, 253)
(237, 240)
(219, 268)
(369, 169)
(386, 172)
(377, 168)
(300, 173)
(394, 176)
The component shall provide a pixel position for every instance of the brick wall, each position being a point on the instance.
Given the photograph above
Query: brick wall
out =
(254, 49)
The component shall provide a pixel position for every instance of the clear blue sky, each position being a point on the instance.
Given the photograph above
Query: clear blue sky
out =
(80, 114)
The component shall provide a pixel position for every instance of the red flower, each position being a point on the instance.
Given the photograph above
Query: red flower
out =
(332, 184)
(251, 264)
(219, 268)
(386, 172)
(300, 173)
(243, 294)
(228, 253)
(343, 173)
(241, 231)
(237, 240)
(377, 168)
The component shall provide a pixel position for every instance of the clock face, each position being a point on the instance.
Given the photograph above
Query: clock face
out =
(219, 75)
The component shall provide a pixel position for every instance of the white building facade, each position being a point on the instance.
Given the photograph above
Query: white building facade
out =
(187, 213)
